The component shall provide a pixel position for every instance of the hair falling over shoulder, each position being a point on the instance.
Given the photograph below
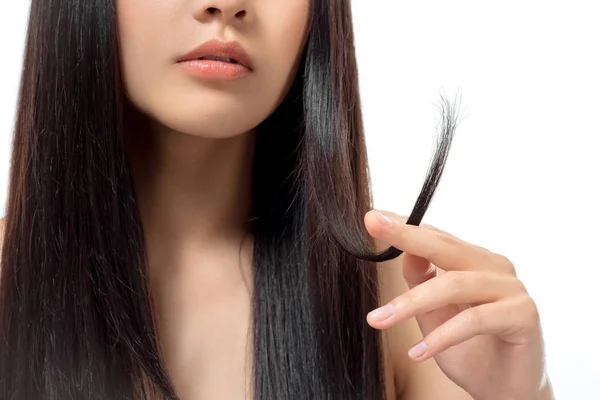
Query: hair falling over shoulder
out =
(76, 318)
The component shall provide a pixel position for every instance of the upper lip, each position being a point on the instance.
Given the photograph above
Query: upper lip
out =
(218, 48)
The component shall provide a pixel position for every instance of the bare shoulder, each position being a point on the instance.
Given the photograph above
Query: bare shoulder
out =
(413, 380)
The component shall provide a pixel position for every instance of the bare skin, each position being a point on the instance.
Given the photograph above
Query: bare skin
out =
(200, 264)
(191, 149)
(204, 317)
(207, 342)
(203, 313)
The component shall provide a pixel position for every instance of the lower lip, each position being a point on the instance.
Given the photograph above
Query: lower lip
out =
(213, 69)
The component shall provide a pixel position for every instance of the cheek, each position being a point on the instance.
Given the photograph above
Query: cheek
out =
(140, 43)
(288, 28)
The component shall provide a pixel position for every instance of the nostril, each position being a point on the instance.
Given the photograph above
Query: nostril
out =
(213, 10)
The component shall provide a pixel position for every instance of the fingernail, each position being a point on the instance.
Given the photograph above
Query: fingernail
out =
(383, 219)
(382, 313)
(418, 350)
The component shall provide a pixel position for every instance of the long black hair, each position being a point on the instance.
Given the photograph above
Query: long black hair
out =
(76, 312)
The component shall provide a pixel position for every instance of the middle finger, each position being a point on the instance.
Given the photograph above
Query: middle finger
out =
(471, 288)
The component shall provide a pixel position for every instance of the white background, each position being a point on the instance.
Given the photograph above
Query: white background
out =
(523, 172)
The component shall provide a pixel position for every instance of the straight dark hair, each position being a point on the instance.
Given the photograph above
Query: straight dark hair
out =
(76, 312)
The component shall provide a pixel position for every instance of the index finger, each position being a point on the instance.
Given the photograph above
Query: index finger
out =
(445, 251)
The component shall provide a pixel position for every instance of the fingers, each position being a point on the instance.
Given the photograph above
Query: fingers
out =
(455, 287)
(417, 270)
(433, 228)
(473, 292)
(440, 248)
(427, 226)
(509, 320)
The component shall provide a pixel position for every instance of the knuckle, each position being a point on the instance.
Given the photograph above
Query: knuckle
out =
(447, 239)
(506, 264)
(410, 300)
(428, 226)
(532, 311)
(483, 249)
(529, 317)
(455, 285)
(441, 246)
(437, 339)
(455, 279)
(475, 317)
(520, 286)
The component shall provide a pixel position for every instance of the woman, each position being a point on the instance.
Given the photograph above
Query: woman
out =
(194, 222)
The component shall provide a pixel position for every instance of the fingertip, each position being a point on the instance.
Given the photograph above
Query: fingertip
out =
(370, 217)
(373, 324)
(374, 225)
(419, 351)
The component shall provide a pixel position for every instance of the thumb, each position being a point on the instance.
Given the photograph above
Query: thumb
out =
(417, 270)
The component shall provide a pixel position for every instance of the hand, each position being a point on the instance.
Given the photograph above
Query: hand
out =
(478, 321)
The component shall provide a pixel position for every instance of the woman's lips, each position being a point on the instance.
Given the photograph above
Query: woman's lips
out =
(218, 48)
(214, 69)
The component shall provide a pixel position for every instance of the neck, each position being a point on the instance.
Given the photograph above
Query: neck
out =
(193, 193)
